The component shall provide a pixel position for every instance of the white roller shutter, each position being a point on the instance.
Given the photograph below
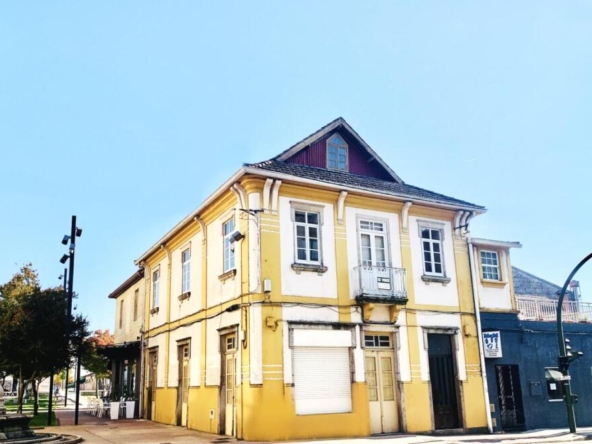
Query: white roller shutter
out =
(322, 380)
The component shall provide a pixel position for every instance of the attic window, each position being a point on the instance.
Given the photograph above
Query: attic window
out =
(336, 153)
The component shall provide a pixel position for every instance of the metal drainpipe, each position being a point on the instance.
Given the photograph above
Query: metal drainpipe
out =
(479, 334)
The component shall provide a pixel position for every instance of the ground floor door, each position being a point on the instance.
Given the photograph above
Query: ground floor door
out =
(380, 379)
(151, 398)
(510, 397)
(444, 382)
(228, 385)
(183, 383)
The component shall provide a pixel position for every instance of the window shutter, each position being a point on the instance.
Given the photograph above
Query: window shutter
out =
(322, 380)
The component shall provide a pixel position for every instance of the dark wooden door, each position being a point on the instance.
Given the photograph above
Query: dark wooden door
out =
(443, 381)
(510, 397)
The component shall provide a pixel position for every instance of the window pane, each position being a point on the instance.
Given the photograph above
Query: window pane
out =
(365, 240)
(314, 255)
(313, 232)
(427, 257)
(313, 218)
(314, 244)
(425, 234)
(379, 240)
(301, 242)
(428, 267)
(438, 268)
(364, 225)
(426, 246)
(436, 247)
(301, 254)
(300, 216)
(300, 231)
(435, 234)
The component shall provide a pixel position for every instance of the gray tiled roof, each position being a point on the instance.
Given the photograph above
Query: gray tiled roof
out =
(360, 182)
(527, 284)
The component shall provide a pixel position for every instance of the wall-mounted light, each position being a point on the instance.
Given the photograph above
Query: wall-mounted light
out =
(65, 239)
(78, 232)
(236, 236)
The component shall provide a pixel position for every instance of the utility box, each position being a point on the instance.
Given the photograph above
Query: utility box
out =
(555, 380)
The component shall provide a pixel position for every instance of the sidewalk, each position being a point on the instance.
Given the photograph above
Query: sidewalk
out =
(105, 431)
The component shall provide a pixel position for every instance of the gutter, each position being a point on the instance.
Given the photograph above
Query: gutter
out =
(479, 335)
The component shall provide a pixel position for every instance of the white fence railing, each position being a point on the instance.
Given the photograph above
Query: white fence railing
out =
(541, 309)
(387, 282)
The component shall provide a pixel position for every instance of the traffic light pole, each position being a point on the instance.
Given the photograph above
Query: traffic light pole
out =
(564, 356)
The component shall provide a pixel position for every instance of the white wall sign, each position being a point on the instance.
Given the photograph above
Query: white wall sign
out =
(492, 344)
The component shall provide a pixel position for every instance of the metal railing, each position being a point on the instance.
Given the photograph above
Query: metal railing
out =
(387, 282)
(542, 309)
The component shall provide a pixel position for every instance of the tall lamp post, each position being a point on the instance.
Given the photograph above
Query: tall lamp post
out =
(566, 356)
(74, 233)
(65, 277)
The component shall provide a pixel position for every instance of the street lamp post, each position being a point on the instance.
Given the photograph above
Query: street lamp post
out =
(74, 233)
(65, 277)
(565, 355)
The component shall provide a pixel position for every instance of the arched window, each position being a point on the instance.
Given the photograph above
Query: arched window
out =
(336, 153)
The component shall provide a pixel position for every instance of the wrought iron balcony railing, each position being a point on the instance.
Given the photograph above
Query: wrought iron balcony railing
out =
(543, 309)
(381, 282)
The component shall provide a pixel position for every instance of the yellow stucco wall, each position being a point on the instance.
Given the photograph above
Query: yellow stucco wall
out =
(266, 412)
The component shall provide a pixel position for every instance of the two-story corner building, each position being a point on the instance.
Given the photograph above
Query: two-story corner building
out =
(315, 295)
(125, 353)
(518, 313)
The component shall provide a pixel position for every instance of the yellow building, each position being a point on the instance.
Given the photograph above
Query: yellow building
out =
(314, 295)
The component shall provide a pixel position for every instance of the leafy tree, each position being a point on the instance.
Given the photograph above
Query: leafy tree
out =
(92, 360)
(33, 331)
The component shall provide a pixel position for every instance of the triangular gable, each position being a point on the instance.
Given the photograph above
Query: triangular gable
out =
(347, 132)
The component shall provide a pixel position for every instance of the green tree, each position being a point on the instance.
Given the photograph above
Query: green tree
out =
(33, 331)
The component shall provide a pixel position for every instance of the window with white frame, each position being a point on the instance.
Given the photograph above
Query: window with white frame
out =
(121, 314)
(155, 287)
(373, 245)
(307, 226)
(136, 297)
(336, 153)
(490, 265)
(227, 231)
(431, 244)
(185, 271)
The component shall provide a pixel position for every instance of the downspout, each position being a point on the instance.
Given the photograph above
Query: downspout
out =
(479, 334)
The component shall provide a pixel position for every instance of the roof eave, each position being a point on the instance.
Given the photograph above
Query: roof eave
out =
(163, 240)
(276, 175)
(495, 243)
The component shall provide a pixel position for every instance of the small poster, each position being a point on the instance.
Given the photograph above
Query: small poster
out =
(492, 344)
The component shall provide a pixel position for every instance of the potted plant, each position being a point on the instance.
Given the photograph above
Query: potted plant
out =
(114, 406)
(130, 404)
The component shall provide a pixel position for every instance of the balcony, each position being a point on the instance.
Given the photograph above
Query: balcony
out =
(543, 309)
(380, 285)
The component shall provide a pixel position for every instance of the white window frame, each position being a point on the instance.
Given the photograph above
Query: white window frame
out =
(340, 147)
(185, 270)
(228, 259)
(497, 268)
(370, 231)
(306, 209)
(432, 226)
(155, 287)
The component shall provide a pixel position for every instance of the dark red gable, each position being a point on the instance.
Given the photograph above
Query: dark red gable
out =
(360, 161)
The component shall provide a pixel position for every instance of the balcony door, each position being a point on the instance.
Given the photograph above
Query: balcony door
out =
(374, 255)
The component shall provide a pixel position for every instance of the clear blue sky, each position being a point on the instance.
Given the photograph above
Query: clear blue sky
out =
(130, 113)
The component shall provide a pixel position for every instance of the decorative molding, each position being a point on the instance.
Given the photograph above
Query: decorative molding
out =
(204, 231)
(266, 194)
(275, 193)
(438, 279)
(241, 195)
(405, 217)
(341, 207)
(228, 275)
(184, 296)
(320, 269)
